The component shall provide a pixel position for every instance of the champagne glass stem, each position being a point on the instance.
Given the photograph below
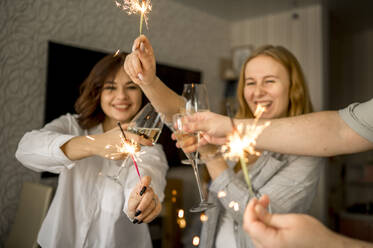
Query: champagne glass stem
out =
(120, 169)
(196, 174)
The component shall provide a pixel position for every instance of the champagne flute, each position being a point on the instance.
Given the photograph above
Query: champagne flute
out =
(196, 100)
(146, 123)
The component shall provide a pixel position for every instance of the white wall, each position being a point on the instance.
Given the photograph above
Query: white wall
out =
(180, 35)
(304, 36)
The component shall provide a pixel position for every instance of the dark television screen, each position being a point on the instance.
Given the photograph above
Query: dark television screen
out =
(68, 66)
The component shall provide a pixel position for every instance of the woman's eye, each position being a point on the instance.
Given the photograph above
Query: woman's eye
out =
(270, 81)
(109, 88)
(132, 87)
(250, 83)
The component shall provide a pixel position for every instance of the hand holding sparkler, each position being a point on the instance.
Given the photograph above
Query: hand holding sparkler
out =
(140, 64)
(143, 203)
(108, 144)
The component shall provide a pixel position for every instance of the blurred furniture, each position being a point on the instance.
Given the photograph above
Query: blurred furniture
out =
(356, 217)
(33, 206)
(173, 202)
(358, 226)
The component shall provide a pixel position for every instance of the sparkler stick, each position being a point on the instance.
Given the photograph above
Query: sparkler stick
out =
(141, 16)
(242, 158)
(242, 142)
(131, 155)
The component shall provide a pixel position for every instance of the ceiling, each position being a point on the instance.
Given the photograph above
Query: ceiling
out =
(234, 10)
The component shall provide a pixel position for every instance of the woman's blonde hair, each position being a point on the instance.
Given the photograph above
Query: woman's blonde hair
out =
(299, 99)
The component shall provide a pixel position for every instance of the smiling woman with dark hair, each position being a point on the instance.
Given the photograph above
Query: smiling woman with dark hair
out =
(89, 210)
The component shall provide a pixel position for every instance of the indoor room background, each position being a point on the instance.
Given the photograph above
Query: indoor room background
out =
(335, 53)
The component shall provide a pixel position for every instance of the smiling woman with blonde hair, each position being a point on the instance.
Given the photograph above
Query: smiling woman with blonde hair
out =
(271, 77)
(299, 99)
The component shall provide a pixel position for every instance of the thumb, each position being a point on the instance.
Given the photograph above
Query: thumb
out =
(264, 201)
(276, 221)
(137, 42)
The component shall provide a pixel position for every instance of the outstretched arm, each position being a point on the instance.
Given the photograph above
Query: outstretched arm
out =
(317, 134)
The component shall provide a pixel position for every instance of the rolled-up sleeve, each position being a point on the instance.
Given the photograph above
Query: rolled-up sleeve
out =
(40, 150)
(359, 116)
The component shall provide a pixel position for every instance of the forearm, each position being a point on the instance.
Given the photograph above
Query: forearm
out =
(78, 148)
(346, 242)
(316, 134)
(165, 100)
(212, 157)
(216, 166)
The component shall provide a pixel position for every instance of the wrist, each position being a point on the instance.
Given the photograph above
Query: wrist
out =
(149, 81)
(211, 154)
(90, 145)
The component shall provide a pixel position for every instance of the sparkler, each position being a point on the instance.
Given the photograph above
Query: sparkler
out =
(129, 147)
(242, 142)
(137, 6)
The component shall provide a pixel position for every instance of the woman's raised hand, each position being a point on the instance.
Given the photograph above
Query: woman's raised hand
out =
(140, 64)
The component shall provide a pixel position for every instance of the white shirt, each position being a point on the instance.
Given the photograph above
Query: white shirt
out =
(225, 235)
(88, 208)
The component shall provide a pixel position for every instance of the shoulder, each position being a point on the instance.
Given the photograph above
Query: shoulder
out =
(359, 117)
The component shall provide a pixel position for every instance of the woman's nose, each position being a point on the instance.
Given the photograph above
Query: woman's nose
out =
(259, 91)
(122, 93)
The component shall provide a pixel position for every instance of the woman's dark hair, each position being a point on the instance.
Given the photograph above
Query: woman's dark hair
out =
(88, 104)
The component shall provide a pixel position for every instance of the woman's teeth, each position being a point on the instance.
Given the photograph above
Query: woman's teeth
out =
(121, 106)
(264, 104)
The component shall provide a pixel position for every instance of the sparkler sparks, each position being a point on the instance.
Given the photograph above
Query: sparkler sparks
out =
(242, 142)
(129, 147)
(137, 6)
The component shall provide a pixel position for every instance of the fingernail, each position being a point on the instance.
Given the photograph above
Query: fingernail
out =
(138, 212)
(142, 48)
(140, 76)
(135, 221)
(143, 190)
(133, 47)
(259, 210)
(140, 222)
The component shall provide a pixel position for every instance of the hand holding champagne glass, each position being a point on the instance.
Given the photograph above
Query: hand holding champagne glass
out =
(196, 100)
